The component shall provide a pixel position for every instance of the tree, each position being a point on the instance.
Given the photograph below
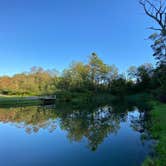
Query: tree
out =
(156, 9)
(76, 77)
(132, 73)
(144, 75)
(36, 82)
(96, 68)
(119, 86)
(101, 74)
(141, 77)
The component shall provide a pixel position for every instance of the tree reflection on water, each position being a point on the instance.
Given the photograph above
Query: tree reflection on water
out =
(92, 121)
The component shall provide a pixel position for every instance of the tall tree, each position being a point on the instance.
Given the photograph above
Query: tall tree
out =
(156, 9)
(96, 68)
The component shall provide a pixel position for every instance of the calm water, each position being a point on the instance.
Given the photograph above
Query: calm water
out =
(65, 136)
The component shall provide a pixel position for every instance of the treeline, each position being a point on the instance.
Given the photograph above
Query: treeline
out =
(36, 82)
(79, 77)
(93, 77)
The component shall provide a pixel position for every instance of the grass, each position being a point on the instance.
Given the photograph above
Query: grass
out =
(157, 128)
(8, 101)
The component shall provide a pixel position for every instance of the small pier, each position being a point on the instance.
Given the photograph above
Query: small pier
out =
(46, 100)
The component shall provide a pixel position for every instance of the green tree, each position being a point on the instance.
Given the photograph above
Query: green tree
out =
(141, 76)
(101, 74)
(97, 67)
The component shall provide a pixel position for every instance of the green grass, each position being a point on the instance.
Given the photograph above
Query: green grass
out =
(157, 128)
(16, 101)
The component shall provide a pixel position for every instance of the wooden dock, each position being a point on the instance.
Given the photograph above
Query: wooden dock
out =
(46, 100)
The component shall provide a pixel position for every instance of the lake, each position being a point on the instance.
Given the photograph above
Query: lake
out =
(63, 135)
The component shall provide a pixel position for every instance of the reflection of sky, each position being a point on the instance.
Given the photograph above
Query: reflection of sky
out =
(43, 148)
(134, 114)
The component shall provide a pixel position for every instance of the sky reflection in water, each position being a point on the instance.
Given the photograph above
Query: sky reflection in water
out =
(49, 136)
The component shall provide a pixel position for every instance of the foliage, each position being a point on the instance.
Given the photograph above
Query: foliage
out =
(157, 128)
(95, 76)
(159, 46)
(36, 82)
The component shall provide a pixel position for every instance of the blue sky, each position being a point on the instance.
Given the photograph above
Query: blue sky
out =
(53, 33)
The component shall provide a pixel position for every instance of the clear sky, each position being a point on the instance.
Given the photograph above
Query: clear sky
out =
(53, 33)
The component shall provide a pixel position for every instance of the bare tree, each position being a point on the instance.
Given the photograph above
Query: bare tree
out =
(156, 9)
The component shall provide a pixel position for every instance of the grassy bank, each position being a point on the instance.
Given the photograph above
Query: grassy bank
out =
(9, 101)
(157, 128)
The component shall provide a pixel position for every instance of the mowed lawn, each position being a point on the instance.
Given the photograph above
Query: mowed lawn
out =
(15, 100)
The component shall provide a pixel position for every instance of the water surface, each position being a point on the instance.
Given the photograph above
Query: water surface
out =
(63, 136)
